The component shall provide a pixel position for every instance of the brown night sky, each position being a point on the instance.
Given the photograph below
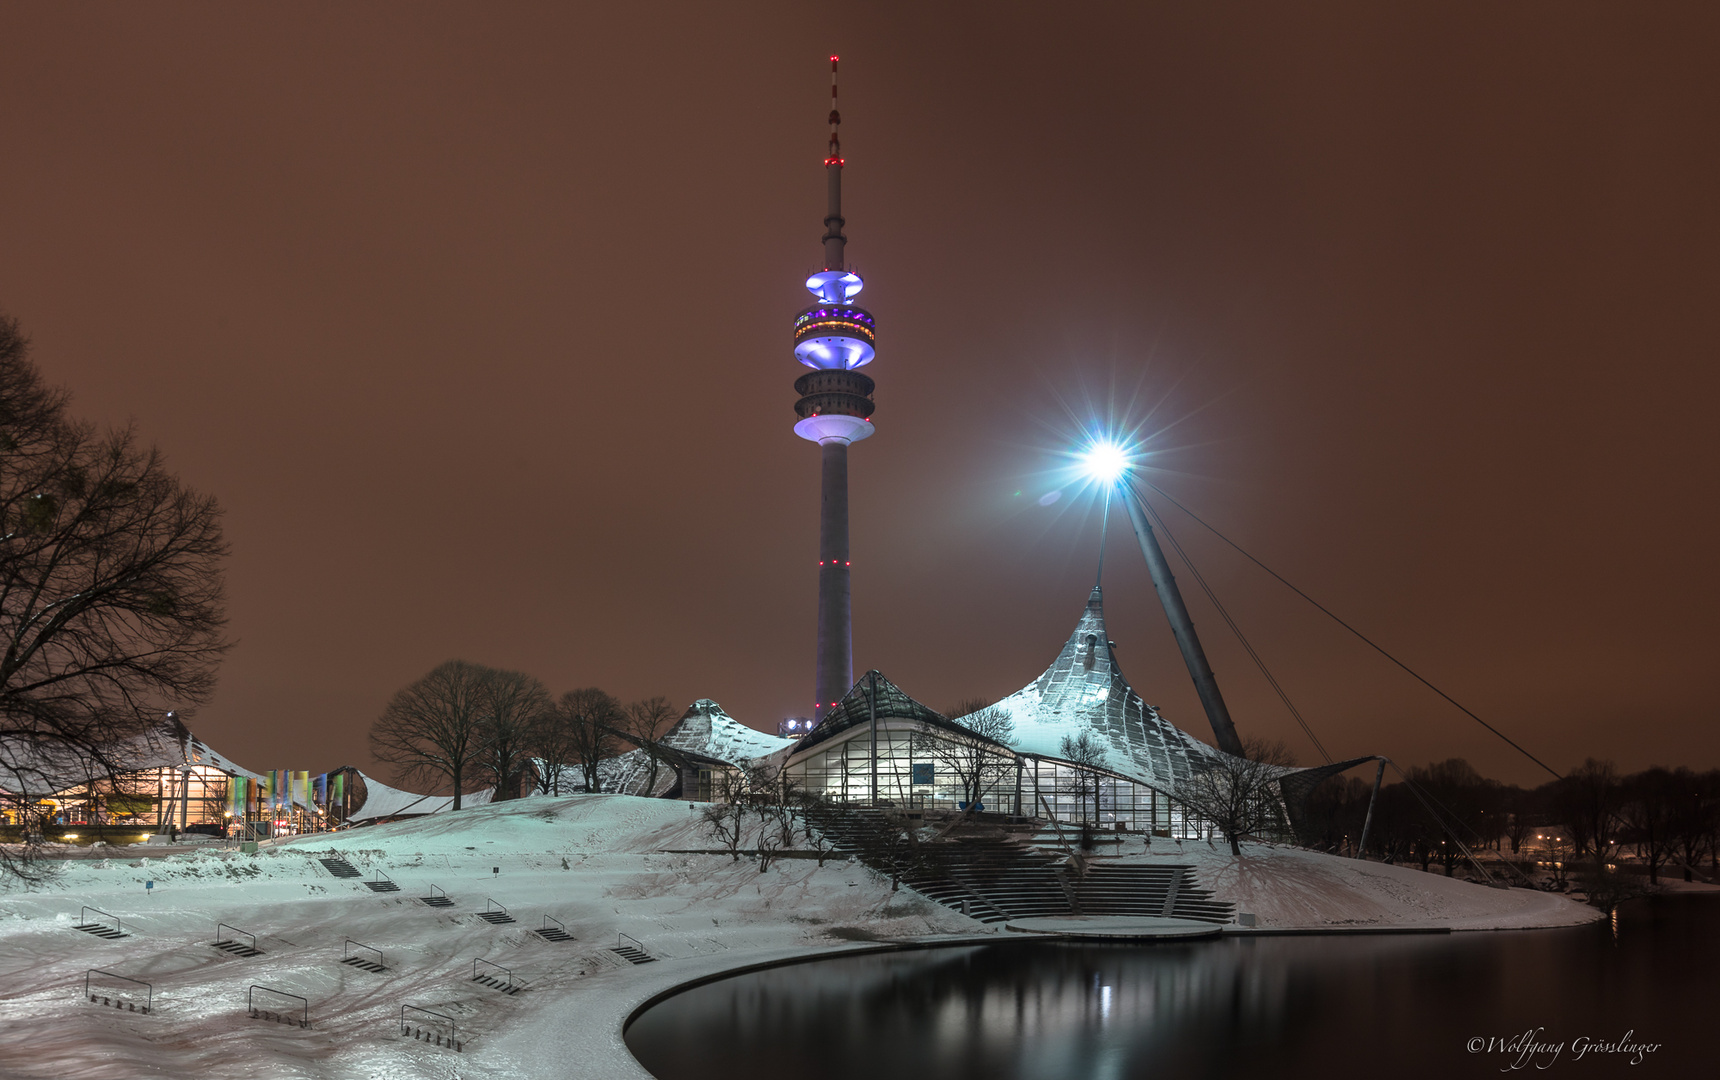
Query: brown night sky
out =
(476, 319)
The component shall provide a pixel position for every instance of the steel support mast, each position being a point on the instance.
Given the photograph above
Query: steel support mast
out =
(1182, 627)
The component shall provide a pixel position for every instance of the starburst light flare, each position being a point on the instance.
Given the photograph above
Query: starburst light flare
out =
(1105, 461)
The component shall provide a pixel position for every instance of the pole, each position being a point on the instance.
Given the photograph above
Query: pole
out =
(1104, 522)
(1182, 627)
(872, 709)
(1367, 822)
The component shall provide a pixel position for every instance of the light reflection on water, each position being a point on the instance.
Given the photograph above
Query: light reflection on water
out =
(1284, 1006)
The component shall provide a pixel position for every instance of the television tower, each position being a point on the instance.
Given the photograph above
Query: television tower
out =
(834, 338)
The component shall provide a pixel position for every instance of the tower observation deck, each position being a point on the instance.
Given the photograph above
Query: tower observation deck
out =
(835, 338)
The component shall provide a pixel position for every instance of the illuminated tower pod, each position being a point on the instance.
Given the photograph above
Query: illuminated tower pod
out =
(834, 338)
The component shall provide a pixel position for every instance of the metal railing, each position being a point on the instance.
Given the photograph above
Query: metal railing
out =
(220, 926)
(148, 990)
(507, 975)
(637, 944)
(415, 1027)
(304, 1019)
(346, 951)
(83, 917)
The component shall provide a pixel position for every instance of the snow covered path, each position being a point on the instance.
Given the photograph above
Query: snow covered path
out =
(596, 863)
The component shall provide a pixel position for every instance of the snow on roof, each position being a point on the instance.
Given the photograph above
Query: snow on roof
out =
(873, 695)
(382, 801)
(48, 768)
(624, 774)
(706, 729)
(1083, 690)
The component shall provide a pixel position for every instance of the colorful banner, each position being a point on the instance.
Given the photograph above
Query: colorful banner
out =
(304, 788)
(337, 796)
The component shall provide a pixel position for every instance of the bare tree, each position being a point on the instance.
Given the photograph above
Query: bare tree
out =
(1604, 885)
(1697, 798)
(1648, 814)
(724, 817)
(587, 719)
(1586, 802)
(975, 754)
(644, 723)
(514, 704)
(433, 729)
(111, 599)
(815, 811)
(1520, 806)
(1088, 754)
(1238, 795)
(779, 802)
(556, 744)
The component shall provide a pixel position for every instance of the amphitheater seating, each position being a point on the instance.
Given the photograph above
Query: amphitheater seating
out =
(995, 879)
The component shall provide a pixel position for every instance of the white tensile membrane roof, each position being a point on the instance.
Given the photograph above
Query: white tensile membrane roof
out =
(707, 730)
(382, 801)
(704, 732)
(1083, 690)
(44, 769)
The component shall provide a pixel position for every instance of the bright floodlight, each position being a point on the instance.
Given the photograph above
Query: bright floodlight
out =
(1105, 462)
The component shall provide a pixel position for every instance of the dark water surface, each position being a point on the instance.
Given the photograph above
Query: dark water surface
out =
(1281, 1007)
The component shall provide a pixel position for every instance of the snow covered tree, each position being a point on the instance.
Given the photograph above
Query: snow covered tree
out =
(433, 730)
(111, 598)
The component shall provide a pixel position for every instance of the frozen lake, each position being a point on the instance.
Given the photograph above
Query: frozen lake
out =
(1283, 1006)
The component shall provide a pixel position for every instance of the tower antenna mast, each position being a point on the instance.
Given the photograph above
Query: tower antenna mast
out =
(834, 241)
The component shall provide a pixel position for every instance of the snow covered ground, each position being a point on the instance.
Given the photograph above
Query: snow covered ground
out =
(602, 864)
(1289, 888)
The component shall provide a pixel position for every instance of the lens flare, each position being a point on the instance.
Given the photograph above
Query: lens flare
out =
(1105, 462)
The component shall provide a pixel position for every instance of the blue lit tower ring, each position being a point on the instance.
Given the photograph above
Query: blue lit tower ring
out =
(835, 336)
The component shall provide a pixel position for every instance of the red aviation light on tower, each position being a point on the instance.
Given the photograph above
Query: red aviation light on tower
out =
(835, 155)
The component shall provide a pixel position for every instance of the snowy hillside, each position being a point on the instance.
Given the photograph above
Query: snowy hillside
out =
(601, 865)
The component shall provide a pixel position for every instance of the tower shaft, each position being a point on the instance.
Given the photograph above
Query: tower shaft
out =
(834, 241)
(835, 628)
